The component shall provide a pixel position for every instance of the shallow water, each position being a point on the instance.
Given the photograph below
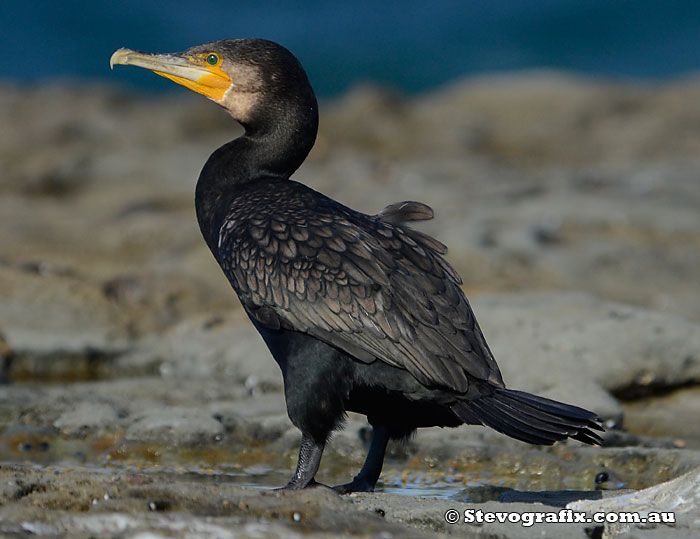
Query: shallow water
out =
(268, 481)
(470, 480)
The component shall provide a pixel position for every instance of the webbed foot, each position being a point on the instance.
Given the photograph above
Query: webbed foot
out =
(356, 485)
(296, 485)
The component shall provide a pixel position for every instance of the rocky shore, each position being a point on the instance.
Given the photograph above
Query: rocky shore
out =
(137, 400)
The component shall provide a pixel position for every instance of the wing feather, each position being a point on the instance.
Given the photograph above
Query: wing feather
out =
(366, 284)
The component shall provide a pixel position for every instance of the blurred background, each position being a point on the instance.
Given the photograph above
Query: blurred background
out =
(410, 46)
(558, 142)
(562, 105)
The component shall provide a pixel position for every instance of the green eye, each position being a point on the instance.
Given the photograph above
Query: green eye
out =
(213, 59)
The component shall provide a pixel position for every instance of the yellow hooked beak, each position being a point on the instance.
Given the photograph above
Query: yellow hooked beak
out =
(198, 73)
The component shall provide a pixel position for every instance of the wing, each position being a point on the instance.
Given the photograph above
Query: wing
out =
(365, 284)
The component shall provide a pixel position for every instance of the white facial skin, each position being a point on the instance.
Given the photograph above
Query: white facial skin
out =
(244, 93)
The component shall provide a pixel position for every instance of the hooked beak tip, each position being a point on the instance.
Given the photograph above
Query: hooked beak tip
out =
(120, 56)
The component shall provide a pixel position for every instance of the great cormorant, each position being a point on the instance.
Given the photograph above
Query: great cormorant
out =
(361, 312)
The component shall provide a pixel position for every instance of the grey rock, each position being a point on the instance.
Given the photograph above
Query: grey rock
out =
(471, 519)
(577, 348)
(85, 417)
(207, 347)
(680, 496)
(666, 415)
(46, 313)
(176, 426)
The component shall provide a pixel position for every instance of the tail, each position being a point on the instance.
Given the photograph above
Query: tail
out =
(530, 418)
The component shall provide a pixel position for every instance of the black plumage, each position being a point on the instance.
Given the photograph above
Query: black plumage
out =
(361, 312)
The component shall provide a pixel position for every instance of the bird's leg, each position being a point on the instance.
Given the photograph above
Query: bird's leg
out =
(309, 460)
(372, 468)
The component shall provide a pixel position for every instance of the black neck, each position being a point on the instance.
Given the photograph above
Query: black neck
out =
(274, 145)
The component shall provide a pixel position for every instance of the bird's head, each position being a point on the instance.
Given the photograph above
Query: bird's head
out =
(241, 75)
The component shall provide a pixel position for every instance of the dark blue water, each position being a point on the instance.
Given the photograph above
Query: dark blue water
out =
(411, 45)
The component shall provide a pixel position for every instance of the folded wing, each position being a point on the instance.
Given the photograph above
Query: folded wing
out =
(368, 285)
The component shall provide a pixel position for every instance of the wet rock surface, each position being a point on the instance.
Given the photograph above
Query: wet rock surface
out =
(137, 399)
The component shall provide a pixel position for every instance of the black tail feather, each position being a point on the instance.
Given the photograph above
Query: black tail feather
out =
(538, 406)
(530, 418)
(507, 425)
(549, 423)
